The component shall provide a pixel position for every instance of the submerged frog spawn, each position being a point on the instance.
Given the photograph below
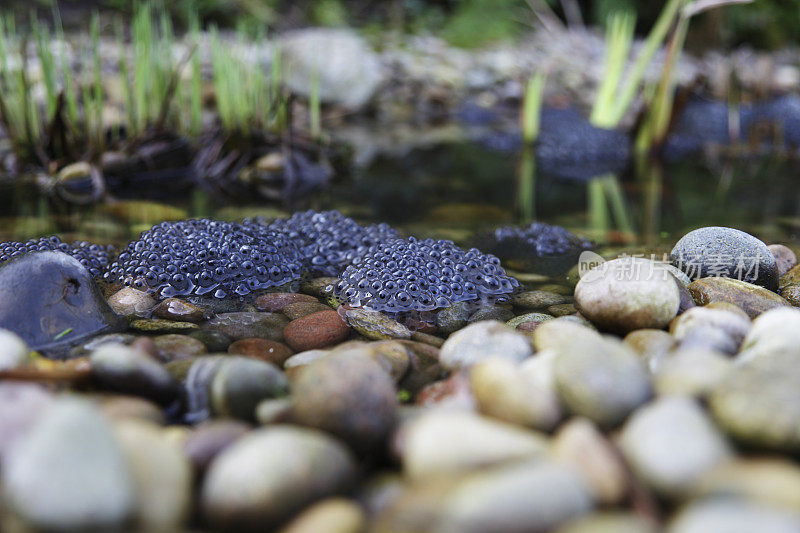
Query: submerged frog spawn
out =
(407, 275)
(92, 256)
(201, 256)
(329, 240)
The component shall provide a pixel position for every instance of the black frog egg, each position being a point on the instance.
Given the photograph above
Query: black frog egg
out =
(208, 257)
(92, 256)
(405, 275)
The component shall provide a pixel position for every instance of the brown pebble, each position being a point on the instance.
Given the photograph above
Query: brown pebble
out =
(297, 310)
(317, 330)
(177, 309)
(785, 258)
(273, 351)
(276, 301)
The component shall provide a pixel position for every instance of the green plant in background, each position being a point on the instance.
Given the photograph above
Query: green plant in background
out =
(531, 115)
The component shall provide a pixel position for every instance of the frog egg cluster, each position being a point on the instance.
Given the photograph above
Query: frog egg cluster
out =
(92, 256)
(207, 256)
(328, 240)
(541, 239)
(406, 275)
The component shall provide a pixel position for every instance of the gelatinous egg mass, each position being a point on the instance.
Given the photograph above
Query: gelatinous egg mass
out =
(329, 240)
(421, 275)
(207, 256)
(92, 256)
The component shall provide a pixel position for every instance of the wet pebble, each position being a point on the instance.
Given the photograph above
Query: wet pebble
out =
(529, 321)
(45, 481)
(272, 473)
(159, 325)
(602, 380)
(215, 341)
(752, 299)
(629, 293)
(300, 309)
(85, 348)
(651, 345)
(244, 324)
(483, 340)
(440, 442)
(172, 346)
(730, 322)
(537, 300)
(272, 351)
(730, 515)
(671, 444)
(776, 332)
(181, 311)
(124, 369)
(562, 309)
(785, 258)
(322, 287)
(453, 317)
(276, 301)
(501, 314)
(374, 324)
(728, 252)
(131, 302)
(691, 372)
(347, 395)
(316, 330)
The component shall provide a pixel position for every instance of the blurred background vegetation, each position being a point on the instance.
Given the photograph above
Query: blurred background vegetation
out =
(765, 24)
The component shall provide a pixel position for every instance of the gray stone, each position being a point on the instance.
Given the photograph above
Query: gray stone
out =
(726, 252)
(28, 308)
(21, 405)
(733, 516)
(271, 474)
(124, 369)
(244, 324)
(131, 302)
(13, 350)
(671, 444)
(68, 472)
(482, 340)
(346, 70)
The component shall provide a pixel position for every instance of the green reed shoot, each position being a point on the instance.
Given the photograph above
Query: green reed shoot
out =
(619, 38)
(532, 107)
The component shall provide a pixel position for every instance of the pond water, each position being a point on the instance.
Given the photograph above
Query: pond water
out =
(453, 190)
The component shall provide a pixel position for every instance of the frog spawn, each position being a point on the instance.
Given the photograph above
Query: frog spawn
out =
(205, 256)
(411, 279)
(92, 256)
(328, 240)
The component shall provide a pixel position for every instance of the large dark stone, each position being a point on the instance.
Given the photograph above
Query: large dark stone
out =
(50, 300)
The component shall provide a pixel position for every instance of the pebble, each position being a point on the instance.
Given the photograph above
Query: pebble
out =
(785, 258)
(560, 333)
(518, 393)
(453, 392)
(230, 386)
(215, 341)
(209, 439)
(124, 369)
(13, 350)
(728, 252)
(347, 395)
(131, 302)
(244, 324)
(118, 407)
(792, 277)
(628, 293)
(374, 324)
(276, 301)
(454, 317)
(161, 475)
(537, 300)
(172, 346)
(483, 340)
(731, 515)
(580, 444)
(45, 474)
(440, 442)
(272, 351)
(671, 444)
(85, 348)
(691, 372)
(528, 321)
(534, 496)
(776, 332)
(791, 293)
(769, 480)
(316, 330)
(652, 345)
(274, 411)
(21, 405)
(758, 403)
(271, 474)
(332, 515)
(731, 323)
(752, 299)
(392, 355)
(159, 325)
(602, 380)
(610, 522)
(562, 310)
(301, 309)
(181, 311)
(501, 314)
(424, 366)
(322, 287)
